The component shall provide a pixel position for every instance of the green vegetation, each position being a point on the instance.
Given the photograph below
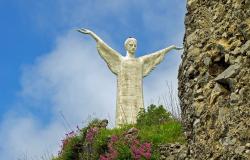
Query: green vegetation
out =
(154, 126)
(157, 126)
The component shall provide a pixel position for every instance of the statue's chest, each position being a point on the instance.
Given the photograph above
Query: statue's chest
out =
(130, 76)
(131, 68)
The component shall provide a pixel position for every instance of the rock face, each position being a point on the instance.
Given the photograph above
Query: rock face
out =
(214, 79)
(173, 152)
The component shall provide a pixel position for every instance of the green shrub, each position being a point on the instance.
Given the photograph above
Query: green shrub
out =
(101, 140)
(71, 149)
(168, 132)
(156, 126)
(152, 116)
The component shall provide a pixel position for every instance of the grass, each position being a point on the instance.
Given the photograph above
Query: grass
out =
(169, 132)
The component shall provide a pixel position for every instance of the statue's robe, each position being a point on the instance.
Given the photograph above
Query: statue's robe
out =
(130, 73)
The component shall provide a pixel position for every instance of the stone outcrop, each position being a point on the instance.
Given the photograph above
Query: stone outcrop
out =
(214, 79)
(173, 152)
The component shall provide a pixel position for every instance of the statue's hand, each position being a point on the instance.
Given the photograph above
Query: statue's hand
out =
(84, 31)
(178, 48)
(91, 33)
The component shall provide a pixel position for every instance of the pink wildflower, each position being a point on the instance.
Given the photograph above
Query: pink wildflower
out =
(91, 134)
(114, 139)
(140, 150)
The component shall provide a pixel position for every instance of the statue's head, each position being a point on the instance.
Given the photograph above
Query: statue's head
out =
(130, 45)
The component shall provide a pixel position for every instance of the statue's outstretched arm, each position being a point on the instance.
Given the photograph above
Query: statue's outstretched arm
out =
(110, 56)
(150, 61)
(91, 33)
(166, 50)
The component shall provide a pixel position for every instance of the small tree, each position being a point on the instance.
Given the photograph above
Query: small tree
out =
(153, 116)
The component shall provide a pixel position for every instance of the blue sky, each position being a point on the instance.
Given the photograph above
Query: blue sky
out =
(47, 68)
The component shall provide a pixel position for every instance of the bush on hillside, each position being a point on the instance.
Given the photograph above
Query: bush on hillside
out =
(154, 126)
(153, 116)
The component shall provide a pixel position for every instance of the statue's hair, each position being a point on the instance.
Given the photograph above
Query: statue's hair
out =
(128, 40)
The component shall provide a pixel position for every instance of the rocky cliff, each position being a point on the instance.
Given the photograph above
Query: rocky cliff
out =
(214, 79)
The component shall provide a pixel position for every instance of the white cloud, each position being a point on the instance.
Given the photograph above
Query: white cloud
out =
(74, 74)
(22, 136)
(75, 80)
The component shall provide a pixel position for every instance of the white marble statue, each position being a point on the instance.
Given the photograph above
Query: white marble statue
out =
(130, 72)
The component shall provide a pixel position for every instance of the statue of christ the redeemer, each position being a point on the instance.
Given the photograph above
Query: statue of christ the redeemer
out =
(130, 72)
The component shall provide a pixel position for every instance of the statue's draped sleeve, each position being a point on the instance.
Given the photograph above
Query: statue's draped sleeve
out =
(110, 56)
(151, 61)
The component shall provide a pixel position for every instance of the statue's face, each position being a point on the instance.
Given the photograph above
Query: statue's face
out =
(131, 46)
